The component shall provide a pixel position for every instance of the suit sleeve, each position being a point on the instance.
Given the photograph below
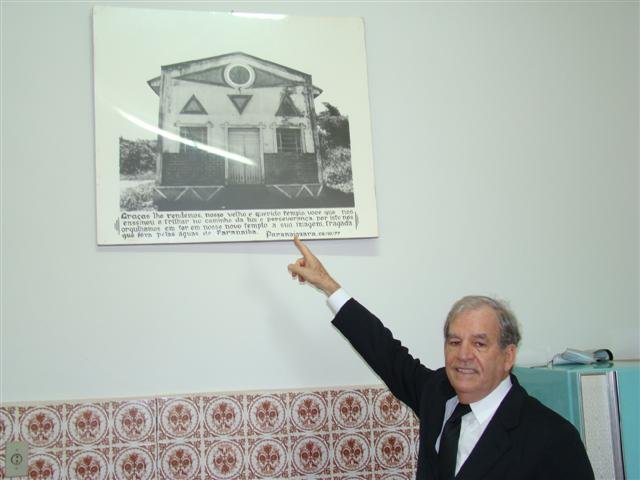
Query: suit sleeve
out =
(565, 457)
(390, 360)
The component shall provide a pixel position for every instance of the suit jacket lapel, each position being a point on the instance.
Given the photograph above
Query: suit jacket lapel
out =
(495, 441)
(435, 418)
(432, 417)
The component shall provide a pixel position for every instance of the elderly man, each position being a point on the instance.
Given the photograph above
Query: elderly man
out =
(476, 421)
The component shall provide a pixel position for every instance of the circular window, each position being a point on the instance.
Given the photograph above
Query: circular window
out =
(239, 76)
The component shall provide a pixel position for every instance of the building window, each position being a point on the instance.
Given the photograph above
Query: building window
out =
(289, 140)
(197, 134)
(239, 76)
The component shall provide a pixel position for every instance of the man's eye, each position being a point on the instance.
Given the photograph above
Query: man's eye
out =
(480, 344)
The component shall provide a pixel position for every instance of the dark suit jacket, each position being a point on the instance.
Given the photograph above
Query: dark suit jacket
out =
(524, 439)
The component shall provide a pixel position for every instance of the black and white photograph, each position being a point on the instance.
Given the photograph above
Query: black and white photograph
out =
(230, 127)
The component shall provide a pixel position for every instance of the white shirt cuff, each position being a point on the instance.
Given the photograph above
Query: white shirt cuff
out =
(337, 300)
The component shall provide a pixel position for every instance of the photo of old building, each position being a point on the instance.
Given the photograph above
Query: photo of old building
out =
(230, 126)
(242, 133)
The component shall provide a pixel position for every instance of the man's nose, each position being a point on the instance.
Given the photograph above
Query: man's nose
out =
(465, 351)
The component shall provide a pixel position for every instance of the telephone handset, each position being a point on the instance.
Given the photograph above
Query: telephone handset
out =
(584, 357)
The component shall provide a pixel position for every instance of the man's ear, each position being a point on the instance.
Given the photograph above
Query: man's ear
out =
(510, 357)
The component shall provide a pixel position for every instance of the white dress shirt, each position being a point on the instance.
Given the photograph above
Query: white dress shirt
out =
(337, 300)
(474, 423)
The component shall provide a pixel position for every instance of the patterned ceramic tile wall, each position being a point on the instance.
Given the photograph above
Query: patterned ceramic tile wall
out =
(359, 433)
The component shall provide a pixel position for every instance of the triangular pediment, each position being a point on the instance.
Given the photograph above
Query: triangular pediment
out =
(287, 108)
(268, 79)
(213, 76)
(214, 71)
(223, 60)
(240, 101)
(154, 83)
(193, 106)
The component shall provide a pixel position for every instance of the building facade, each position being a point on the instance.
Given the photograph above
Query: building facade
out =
(236, 119)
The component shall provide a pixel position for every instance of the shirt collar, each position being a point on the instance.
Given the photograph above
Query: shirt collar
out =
(485, 408)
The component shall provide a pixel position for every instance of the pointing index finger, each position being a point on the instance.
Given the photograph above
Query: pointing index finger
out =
(304, 250)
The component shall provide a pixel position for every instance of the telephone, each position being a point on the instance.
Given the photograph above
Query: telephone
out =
(584, 357)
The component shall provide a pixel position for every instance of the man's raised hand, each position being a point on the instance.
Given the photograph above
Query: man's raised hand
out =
(309, 269)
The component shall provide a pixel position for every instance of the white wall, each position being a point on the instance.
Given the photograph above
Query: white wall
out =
(506, 157)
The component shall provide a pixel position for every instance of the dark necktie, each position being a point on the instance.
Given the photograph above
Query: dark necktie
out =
(449, 442)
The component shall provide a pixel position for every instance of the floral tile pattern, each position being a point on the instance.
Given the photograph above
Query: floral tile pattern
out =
(134, 422)
(360, 433)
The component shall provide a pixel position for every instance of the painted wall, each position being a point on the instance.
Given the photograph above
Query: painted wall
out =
(506, 157)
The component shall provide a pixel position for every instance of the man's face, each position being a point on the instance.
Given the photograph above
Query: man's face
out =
(475, 363)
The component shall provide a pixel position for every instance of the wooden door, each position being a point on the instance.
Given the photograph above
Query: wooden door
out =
(246, 142)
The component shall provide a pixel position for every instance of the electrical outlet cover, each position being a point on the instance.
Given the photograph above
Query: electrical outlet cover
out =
(16, 459)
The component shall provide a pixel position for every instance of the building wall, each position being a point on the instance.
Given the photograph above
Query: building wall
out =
(302, 434)
(222, 114)
(506, 162)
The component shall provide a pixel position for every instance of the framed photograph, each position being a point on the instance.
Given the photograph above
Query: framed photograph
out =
(219, 127)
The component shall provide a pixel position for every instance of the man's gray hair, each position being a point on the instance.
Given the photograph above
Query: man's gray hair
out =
(507, 321)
